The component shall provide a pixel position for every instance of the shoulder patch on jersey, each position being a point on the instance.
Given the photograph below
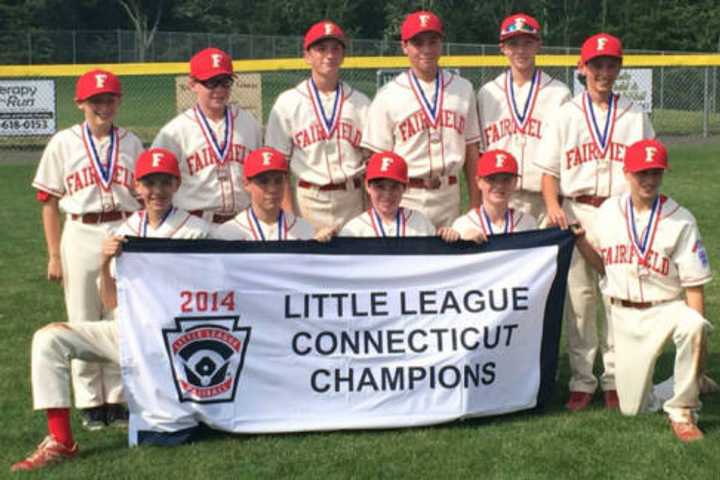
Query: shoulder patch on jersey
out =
(699, 250)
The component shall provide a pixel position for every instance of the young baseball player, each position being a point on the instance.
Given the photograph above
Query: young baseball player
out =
(318, 125)
(86, 172)
(650, 253)
(266, 180)
(514, 108)
(581, 159)
(386, 181)
(157, 178)
(497, 180)
(211, 140)
(428, 116)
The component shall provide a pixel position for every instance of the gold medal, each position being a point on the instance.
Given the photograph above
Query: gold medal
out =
(222, 172)
(435, 136)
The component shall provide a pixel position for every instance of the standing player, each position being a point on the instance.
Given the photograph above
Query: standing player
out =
(318, 125)
(266, 180)
(211, 140)
(497, 180)
(157, 179)
(514, 108)
(582, 153)
(386, 181)
(86, 172)
(654, 266)
(428, 116)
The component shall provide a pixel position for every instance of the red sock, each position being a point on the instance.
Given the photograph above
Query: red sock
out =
(59, 425)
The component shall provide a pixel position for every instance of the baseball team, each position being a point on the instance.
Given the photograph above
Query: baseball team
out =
(332, 162)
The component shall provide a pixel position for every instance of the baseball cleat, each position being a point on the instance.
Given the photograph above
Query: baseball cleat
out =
(612, 402)
(578, 401)
(116, 415)
(686, 432)
(93, 419)
(49, 452)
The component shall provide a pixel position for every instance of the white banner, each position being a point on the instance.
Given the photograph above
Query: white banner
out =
(297, 336)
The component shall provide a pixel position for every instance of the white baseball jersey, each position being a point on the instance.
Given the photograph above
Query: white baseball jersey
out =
(178, 224)
(514, 119)
(476, 220)
(408, 223)
(246, 226)
(431, 140)
(211, 156)
(87, 174)
(320, 134)
(665, 255)
(584, 146)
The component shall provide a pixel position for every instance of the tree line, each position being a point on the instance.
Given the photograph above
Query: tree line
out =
(681, 25)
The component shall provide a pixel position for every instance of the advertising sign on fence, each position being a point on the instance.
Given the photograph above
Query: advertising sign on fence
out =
(27, 107)
(632, 83)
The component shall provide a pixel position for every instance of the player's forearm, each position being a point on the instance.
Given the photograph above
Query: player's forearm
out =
(590, 254)
(550, 191)
(695, 299)
(51, 226)
(108, 288)
(288, 202)
(471, 155)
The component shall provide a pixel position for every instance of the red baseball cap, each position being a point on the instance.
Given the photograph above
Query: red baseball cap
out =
(265, 159)
(646, 155)
(387, 165)
(519, 24)
(210, 63)
(601, 45)
(496, 161)
(156, 160)
(419, 22)
(323, 30)
(96, 82)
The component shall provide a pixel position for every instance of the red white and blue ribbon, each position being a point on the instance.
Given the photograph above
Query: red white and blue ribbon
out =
(521, 118)
(377, 224)
(601, 137)
(220, 150)
(431, 110)
(642, 244)
(328, 123)
(145, 220)
(257, 230)
(487, 224)
(103, 170)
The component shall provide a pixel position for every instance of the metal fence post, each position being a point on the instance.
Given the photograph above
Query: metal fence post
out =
(29, 39)
(119, 45)
(706, 103)
(74, 47)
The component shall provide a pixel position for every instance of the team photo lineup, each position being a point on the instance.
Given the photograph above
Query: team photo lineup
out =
(332, 162)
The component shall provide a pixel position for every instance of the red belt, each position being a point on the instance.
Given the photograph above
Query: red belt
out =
(431, 183)
(629, 304)
(216, 218)
(330, 186)
(590, 200)
(101, 217)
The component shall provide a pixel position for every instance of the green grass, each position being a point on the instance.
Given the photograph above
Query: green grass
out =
(555, 444)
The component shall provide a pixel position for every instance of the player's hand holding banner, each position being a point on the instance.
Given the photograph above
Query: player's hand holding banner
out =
(297, 336)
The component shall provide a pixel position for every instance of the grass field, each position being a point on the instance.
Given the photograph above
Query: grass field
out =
(552, 444)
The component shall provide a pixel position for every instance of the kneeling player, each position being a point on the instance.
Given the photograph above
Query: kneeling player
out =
(497, 180)
(266, 180)
(651, 254)
(157, 179)
(386, 180)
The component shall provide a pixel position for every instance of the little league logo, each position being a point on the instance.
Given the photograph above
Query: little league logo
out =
(206, 357)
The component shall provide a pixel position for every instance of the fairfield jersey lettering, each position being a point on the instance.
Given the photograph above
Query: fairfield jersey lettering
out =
(497, 131)
(418, 123)
(625, 253)
(87, 177)
(589, 152)
(315, 133)
(205, 157)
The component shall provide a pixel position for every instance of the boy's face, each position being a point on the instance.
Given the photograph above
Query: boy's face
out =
(325, 56)
(423, 51)
(601, 73)
(645, 184)
(266, 189)
(520, 51)
(213, 93)
(385, 195)
(157, 190)
(100, 110)
(497, 189)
